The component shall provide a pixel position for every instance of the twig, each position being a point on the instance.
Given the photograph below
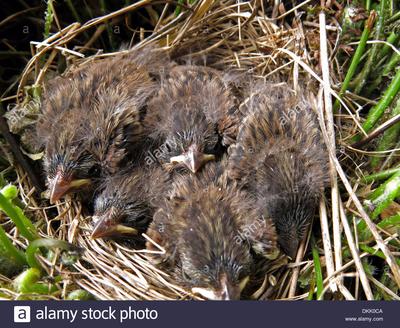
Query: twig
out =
(378, 131)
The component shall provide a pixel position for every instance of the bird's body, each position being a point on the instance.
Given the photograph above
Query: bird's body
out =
(207, 229)
(281, 159)
(92, 121)
(194, 115)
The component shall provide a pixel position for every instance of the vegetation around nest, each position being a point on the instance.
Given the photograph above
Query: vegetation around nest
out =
(349, 52)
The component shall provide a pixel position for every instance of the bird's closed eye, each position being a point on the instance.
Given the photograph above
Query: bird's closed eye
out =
(168, 148)
(185, 276)
(94, 171)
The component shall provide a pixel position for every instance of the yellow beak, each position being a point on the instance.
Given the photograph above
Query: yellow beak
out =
(192, 159)
(61, 186)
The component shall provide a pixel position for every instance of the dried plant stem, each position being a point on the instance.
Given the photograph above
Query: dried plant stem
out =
(390, 259)
(346, 293)
(355, 254)
(391, 126)
(19, 13)
(333, 176)
(384, 288)
(326, 240)
(234, 34)
(389, 256)
(296, 270)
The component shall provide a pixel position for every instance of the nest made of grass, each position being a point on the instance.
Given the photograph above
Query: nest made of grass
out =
(254, 37)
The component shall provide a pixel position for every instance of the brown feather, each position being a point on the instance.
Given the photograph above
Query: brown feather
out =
(129, 199)
(207, 228)
(193, 107)
(92, 117)
(280, 158)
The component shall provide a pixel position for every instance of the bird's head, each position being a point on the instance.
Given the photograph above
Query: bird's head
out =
(215, 260)
(208, 229)
(120, 210)
(219, 273)
(292, 214)
(192, 142)
(224, 289)
(191, 157)
(69, 171)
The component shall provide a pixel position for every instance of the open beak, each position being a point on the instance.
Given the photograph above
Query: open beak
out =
(107, 226)
(61, 185)
(193, 159)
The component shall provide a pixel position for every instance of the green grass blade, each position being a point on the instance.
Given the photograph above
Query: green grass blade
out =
(361, 79)
(356, 58)
(382, 175)
(377, 111)
(318, 270)
(25, 227)
(48, 19)
(7, 249)
(47, 243)
(389, 137)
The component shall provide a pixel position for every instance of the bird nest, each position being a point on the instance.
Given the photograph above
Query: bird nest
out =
(256, 37)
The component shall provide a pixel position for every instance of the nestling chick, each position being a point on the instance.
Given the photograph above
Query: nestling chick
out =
(92, 121)
(125, 207)
(280, 158)
(194, 115)
(207, 229)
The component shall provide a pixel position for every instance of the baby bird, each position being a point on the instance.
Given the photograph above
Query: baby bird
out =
(281, 159)
(194, 115)
(207, 229)
(125, 206)
(92, 121)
